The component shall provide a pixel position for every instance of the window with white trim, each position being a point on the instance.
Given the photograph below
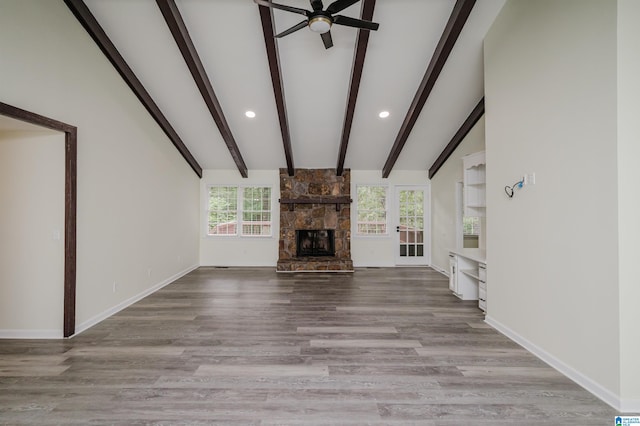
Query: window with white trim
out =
(471, 225)
(244, 211)
(256, 213)
(371, 210)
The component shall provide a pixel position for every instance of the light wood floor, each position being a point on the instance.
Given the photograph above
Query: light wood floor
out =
(249, 346)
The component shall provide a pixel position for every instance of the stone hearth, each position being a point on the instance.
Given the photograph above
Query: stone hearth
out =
(315, 199)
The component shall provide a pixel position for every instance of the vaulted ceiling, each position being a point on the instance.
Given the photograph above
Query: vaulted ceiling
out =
(203, 63)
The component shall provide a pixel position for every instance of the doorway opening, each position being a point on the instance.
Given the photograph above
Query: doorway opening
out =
(70, 204)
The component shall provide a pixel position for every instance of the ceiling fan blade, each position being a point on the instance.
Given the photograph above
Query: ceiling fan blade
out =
(316, 5)
(327, 40)
(340, 5)
(293, 29)
(282, 7)
(357, 23)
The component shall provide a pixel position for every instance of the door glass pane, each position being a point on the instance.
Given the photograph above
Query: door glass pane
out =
(411, 221)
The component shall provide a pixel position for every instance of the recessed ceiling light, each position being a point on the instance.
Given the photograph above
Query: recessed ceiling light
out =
(250, 114)
(383, 114)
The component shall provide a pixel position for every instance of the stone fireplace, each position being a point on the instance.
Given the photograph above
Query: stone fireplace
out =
(315, 221)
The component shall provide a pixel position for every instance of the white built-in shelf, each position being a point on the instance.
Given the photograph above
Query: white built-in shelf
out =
(474, 166)
(473, 273)
(468, 275)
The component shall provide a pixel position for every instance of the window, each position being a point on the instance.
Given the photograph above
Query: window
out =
(470, 232)
(223, 210)
(371, 210)
(471, 225)
(245, 210)
(256, 214)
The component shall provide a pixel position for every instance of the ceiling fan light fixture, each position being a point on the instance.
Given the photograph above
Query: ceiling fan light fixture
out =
(320, 24)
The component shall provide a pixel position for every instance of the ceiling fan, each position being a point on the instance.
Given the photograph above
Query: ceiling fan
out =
(319, 20)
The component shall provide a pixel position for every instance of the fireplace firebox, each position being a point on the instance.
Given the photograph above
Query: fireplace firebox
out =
(316, 242)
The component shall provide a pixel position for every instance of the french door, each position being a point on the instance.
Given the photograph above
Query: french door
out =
(412, 230)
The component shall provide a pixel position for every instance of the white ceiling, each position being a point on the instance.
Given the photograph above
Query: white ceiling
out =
(228, 37)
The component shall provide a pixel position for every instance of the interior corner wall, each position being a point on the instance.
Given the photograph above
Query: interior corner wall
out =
(137, 223)
(236, 250)
(629, 200)
(552, 249)
(443, 197)
(31, 233)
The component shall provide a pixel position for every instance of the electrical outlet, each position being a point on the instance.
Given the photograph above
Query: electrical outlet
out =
(115, 287)
(149, 272)
(530, 179)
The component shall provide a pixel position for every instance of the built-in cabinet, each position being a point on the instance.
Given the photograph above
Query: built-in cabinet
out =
(474, 180)
(468, 275)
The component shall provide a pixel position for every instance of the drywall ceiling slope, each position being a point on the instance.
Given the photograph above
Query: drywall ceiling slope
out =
(228, 37)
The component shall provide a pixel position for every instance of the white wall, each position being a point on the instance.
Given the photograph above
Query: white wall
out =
(31, 233)
(137, 198)
(629, 199)
(443, 197)
(550, 84)
(236, 250)
(379, 251)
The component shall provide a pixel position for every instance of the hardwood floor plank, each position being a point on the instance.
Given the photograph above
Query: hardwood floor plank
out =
(364, 343)
(262, 370)
(347, 330)
(33, 370)
(127, 351)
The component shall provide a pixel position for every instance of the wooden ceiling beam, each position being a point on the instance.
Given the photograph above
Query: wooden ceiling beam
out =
(266, 17)
(180, 34)
(93, 28)
(452, 30)
(457, 139)
(366, 13)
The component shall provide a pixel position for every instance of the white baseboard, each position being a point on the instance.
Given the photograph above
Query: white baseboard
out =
(595, 388)
(130, 301)
(31, 334)
(629, 405)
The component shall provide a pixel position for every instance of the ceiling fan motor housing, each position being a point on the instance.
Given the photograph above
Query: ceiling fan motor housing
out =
(320, 23)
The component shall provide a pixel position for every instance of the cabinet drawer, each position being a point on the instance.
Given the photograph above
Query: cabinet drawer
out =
(482, 304)
(482, 285)
(482, 294)
(482, 272)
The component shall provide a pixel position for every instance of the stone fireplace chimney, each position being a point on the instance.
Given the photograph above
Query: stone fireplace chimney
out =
(315, 200)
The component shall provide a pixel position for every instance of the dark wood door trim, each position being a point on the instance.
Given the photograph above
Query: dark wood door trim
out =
(455, 24)
(70, 204)
(366, 13)
(457, 139)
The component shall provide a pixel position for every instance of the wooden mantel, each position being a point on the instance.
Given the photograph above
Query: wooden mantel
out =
(317, 200)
